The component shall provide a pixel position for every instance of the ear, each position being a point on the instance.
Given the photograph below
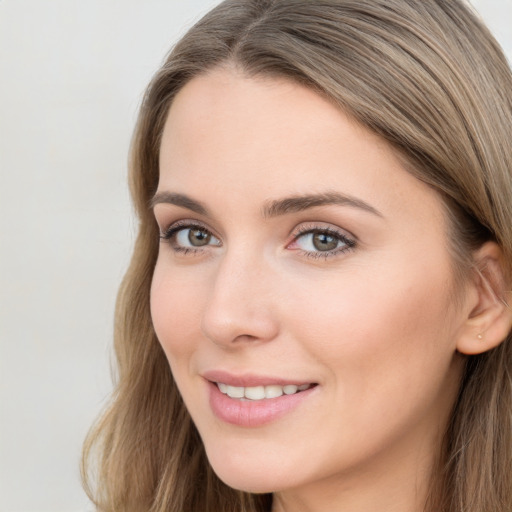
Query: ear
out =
(490, 317)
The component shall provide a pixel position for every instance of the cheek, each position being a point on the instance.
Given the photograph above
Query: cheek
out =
(390, 328)
(386, 354)
(175, 311)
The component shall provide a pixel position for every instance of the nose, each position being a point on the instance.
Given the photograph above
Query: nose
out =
(240, 308)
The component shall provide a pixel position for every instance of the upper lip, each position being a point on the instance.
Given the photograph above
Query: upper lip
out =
(249, 380)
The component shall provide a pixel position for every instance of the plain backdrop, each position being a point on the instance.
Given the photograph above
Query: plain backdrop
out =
(72, 75)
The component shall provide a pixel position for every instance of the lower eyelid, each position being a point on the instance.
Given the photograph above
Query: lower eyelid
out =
(327, 254)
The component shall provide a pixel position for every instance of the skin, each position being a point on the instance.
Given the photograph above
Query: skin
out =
(375, 326)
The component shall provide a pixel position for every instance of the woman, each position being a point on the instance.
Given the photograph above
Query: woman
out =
(316, 316)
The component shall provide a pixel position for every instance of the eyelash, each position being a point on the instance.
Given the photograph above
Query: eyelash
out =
(169, 236)
(349, 243)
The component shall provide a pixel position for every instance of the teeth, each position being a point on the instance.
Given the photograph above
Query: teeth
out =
(255, 393)
(235, 392)
(290, 390)
(273, 391)
(260, 392)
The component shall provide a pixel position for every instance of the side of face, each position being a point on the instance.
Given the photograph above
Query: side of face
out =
(296, 249)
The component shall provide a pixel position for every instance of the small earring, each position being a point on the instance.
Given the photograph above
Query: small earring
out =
(480, 336)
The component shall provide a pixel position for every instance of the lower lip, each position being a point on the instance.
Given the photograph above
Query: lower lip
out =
(253, 413)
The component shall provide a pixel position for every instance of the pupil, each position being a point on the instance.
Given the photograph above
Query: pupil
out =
(197, 237)
(324, 242)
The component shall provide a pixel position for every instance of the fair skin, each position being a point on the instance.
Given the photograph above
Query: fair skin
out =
(353, 297)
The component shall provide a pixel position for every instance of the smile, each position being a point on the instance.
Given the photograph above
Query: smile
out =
(260, 392)
(256, 403)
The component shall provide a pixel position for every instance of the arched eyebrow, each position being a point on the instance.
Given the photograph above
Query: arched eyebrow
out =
(272, 208)
(178, 200)
(300, 203)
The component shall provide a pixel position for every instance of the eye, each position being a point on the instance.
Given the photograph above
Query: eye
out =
(321, 242)
(193, 237)
(183, 237)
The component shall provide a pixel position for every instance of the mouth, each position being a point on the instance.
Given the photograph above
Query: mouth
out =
(254, 401)
(256, 393)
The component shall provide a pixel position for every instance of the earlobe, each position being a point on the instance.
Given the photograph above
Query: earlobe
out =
(490, 318)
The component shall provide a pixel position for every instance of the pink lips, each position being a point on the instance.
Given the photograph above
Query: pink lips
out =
(251, 413)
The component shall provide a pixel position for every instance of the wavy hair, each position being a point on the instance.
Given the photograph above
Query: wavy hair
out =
(425, 75)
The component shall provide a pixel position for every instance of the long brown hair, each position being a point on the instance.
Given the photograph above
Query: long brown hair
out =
(428, 77)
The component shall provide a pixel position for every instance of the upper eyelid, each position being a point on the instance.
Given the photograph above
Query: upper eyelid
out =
(302, 229)
(187, 223)
(348, 240)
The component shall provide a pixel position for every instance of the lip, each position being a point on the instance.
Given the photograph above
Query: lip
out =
(249, 380)
(252, 413)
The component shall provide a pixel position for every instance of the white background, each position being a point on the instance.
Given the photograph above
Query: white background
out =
(71, 78)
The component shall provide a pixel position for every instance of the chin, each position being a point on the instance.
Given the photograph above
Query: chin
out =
(250, 474)
(246, 482)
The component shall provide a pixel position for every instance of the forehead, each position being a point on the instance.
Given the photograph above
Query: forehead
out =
(261, 138)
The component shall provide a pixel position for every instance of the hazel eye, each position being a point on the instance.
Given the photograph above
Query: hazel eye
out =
(322, 242)
(189, 237)
(193, 237)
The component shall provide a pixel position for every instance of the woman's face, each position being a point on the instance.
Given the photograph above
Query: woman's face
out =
(297, 253)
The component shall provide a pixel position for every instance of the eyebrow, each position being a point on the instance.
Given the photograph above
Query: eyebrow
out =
(304, 202)
(273, 208)
(178, 200)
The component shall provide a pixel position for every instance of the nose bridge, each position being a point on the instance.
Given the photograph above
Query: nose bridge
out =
(239, 306)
